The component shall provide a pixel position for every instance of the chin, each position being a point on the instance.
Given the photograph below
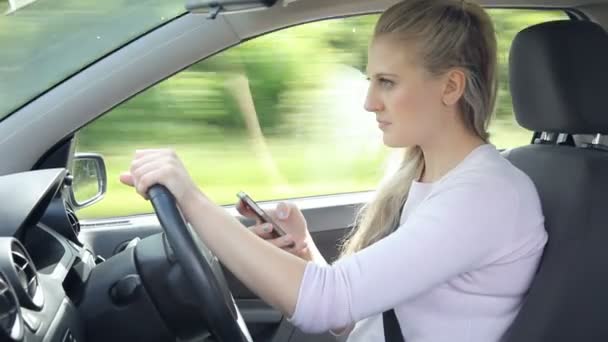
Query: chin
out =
(395, 143)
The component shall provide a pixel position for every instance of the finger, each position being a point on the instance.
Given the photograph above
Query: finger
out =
(150, 158)
(142, 154)
(263, 230)
(147, 151)
(241, 208)
(143, 168)
(303, 253)
(297, 247)
(244, 210)
(283, 210)
(126, 178)
(157, 176)
(285, 241)
(168, 156)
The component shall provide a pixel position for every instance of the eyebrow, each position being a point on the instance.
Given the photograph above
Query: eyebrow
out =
(382, 74)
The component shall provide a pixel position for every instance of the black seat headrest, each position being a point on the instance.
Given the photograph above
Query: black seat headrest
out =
(559, 77)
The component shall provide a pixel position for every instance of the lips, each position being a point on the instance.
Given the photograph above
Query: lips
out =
(382, 124)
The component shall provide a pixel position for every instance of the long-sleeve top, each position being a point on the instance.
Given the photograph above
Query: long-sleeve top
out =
(456, 269)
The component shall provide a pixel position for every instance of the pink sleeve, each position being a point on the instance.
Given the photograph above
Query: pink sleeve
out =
(458, 229)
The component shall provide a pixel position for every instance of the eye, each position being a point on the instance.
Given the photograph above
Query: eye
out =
(386, 83)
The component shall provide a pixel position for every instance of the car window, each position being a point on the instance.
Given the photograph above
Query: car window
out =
(279, 116)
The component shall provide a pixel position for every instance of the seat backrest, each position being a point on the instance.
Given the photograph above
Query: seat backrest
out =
(558, 77)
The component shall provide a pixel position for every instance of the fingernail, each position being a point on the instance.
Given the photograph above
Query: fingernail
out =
(282, 213)
(267, 227)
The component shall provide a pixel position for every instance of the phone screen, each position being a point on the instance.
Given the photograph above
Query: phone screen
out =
(260, 213)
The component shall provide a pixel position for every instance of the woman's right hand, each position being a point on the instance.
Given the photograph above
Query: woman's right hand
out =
(290, 218)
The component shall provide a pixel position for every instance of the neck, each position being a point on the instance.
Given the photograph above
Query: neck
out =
(445, 152)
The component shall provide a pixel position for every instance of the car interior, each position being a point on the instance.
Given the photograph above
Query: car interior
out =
(148, 278)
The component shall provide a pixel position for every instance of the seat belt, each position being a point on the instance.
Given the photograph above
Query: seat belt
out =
(392, 330)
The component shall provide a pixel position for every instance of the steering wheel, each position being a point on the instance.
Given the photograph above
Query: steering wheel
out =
(203, 270)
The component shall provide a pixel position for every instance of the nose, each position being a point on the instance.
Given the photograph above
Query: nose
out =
(373, 103)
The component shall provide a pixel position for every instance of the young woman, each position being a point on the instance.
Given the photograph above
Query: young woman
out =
(470, 231)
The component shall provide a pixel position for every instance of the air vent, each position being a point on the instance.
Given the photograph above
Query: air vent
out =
(106, 224)
(21, 273)
(11, 322)
(25, 272)
(73, 220)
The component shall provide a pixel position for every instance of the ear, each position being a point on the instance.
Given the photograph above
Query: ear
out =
(455, 84)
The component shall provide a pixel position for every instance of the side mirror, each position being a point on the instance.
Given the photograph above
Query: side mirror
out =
(89, 183)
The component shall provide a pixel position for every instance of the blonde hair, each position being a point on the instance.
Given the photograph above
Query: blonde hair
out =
(450, 34)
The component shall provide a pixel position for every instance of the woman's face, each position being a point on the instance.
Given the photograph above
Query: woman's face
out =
(405, 97)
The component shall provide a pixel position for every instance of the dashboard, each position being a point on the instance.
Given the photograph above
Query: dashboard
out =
(54, 288)
(43, 266)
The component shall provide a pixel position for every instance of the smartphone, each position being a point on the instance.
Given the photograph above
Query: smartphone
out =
(260, 213)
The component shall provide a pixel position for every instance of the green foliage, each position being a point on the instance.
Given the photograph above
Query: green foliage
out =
(506, 24)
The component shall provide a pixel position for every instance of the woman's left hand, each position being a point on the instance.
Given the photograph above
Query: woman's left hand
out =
(162, 166)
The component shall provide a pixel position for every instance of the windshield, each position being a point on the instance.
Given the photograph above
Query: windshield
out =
(43, 42)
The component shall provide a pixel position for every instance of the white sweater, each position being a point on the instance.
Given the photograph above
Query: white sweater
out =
(456, 269)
